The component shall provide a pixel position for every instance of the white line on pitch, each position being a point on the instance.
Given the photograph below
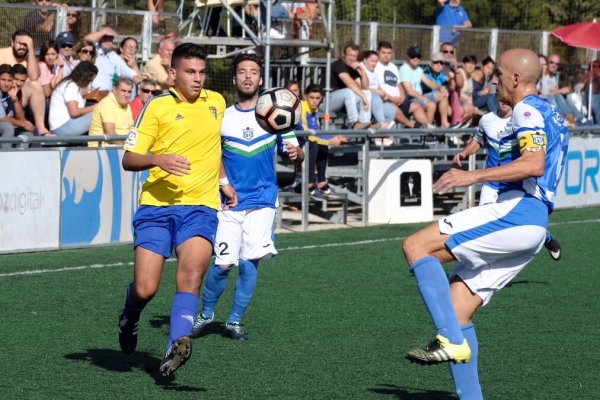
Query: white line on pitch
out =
(292, 248)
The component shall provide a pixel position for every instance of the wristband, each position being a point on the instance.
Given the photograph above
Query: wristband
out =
(223, 181)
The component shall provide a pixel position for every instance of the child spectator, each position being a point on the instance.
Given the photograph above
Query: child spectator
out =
(69, 115)
(12, 118)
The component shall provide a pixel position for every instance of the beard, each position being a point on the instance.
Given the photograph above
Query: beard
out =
(246, 93)
(20, 53)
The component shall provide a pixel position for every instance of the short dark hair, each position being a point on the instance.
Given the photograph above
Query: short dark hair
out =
(446, 44)
(488, 60)
(241, 57)
(314, 88)
(469, 58)
(188, 51)
(47, 45)
(6, 69)
(19, 69)
(366, 54)
(384, 45)
(290, 83)
(20, 32)
(352, 46)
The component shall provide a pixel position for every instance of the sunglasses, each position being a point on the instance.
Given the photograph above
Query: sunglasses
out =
(448, 51)
(66, 45)
(147, 91)
(419, 57)
(86, 51)
(439, 62)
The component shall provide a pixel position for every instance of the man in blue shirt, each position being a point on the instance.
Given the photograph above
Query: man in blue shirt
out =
(450, 15)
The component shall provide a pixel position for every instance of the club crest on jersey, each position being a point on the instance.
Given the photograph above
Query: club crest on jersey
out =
(213, 111)
(248, 133)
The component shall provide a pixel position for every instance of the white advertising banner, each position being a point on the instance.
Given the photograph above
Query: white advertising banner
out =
(29, 200)
(579, 184)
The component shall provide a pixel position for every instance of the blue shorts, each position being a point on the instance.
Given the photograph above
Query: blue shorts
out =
(160, 229)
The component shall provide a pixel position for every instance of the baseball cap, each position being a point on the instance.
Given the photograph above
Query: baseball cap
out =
(414, 51)
(65, 38)
(437, 56)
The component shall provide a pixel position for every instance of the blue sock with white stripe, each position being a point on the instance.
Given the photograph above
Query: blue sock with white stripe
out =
(466, 377)
(216, 281)
(435, 291)
(244, 289)
(548, 237)
(183, 312)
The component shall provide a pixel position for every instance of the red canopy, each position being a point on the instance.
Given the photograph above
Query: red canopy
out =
(583, 34)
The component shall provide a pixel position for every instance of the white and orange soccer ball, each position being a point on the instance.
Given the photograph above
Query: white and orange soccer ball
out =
(278, 111)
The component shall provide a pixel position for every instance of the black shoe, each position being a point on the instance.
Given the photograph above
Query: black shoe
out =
(128, 331)
(554, 249)
(176, 356)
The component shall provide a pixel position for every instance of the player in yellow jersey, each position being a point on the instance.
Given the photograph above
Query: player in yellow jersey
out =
(177, 136)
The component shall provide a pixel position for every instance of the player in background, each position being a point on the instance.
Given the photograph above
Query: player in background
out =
(495, 241)
(491, 126)
(177, 137)
(245, 232)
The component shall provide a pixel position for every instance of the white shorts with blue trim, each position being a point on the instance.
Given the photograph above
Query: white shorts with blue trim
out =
(246, 235)
(488, 195)
(495, 241)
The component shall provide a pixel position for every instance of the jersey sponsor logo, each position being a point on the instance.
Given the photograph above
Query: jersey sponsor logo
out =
(527, 114)
(248, 133)
(178, 117)
(132, 138)
(213, 111)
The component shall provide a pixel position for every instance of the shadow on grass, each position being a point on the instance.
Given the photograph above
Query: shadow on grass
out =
(214, 328)
(413, 394)
(158, 321)
(114, 360)
(528, 282)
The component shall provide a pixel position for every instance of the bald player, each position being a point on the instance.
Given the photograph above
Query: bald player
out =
(492, 242)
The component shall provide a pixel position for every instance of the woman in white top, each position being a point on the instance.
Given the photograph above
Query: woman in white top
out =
(464, 86)
(68, 114)
(383, 113)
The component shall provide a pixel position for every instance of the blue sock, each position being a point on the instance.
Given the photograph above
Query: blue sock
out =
(133, 309)
(435, 291)
(244, 289)
(548, 237)
(216, 280)
(183, 312)
(466, 378)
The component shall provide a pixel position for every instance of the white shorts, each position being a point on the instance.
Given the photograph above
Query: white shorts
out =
(245, 234)
(488, 195)
(494, 242)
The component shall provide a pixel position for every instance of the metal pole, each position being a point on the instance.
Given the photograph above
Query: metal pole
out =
(494, 43)
(305, 174)
(471, 189)
(365, 182)
(328, 70)
(94, 27)
(544, 44)
(267, 38)
(357, 26)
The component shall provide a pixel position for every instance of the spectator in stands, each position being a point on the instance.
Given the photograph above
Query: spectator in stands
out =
(384, 113)
(294, 87)
(73, 23)
(350, 89)
(41, 22)
(22, 52)
(464, 88)
(411, 76)
(319, 145)
(65, 43)
(583, 85)
(548, 86)
(388, 76)
(110, 65)
(112, 115)
(304, 12)
(146, 89)
(84, 50)
(449, 71)
(51, 67)
(128, 52)
(451, 17)
(69, 116)
(278, 10)
(484, 93)
(157, 68)
(19, 79)
(440, 96)
(12, 117)
(158, 21)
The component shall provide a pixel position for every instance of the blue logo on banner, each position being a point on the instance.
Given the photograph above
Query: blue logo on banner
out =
(576, 160)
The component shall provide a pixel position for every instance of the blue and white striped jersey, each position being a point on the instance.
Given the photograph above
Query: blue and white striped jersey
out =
(535, 120)
(491, 128)
(249, 158)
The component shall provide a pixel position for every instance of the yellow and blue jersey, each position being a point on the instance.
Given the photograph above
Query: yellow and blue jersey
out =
(310, 120)
(536, 125)
(168, 125)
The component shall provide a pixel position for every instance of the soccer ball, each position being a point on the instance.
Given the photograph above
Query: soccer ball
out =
(278, 111)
